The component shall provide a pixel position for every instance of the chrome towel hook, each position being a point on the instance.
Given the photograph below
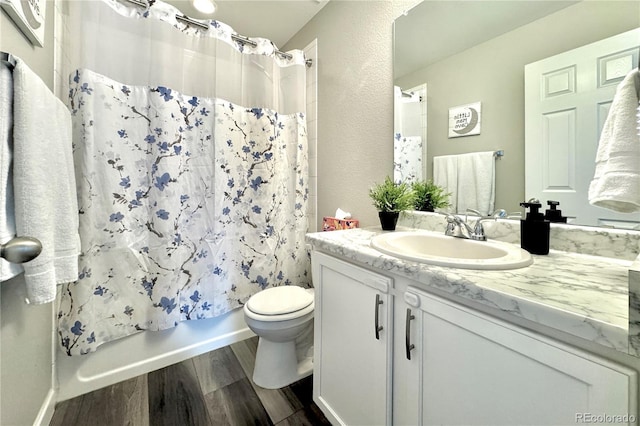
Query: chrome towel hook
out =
(21, 249)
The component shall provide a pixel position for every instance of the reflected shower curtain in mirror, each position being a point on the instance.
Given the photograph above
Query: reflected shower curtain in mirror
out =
(191, 165)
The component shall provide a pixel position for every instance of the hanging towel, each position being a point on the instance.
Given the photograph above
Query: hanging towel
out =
(46, 205)
(616, 182)
(476, 182)
(470, 178)
(7, 218)
(445, 174)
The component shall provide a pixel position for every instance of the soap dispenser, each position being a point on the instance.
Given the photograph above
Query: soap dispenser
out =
(553, 215)
(534, 229)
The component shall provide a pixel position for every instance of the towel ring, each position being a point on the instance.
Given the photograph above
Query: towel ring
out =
(20, 249)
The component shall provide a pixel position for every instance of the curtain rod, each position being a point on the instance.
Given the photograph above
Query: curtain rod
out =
(237, 37)
(410, 95)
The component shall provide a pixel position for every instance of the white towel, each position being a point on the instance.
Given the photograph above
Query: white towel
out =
(470, 178)
(476, 182)
(445, 174)
(7, 218)
(46, 205)
(616, 182)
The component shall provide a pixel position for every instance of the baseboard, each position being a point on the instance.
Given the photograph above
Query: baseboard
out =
(46, 411)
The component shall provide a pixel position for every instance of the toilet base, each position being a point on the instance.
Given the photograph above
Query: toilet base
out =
(277, 364)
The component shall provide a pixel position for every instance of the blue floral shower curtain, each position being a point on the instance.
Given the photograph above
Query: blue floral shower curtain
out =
(189, 204)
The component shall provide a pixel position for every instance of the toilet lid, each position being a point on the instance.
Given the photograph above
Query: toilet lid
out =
(280, 300)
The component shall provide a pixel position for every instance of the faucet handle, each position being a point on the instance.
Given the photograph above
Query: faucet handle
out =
(496, 214)
(499, 214)
(454, 224)
(478, 230)
(474, 211)
(451, 228)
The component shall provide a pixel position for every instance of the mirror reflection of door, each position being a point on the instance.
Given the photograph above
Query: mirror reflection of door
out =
(567, 98)
(410, 134)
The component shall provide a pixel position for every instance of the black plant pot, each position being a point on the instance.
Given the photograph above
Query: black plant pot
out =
(388, 220)
(428, 208)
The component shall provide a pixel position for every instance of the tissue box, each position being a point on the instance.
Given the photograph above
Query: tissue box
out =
(335, 224)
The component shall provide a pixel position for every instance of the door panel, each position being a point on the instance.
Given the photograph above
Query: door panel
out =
(567, 98)
(478, 370)
(352, 363)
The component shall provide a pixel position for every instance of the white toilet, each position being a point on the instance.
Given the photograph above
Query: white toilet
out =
(282, 317)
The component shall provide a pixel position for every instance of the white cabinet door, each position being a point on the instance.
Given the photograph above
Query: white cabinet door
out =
(478, 370)
(407, 359)
(352, 349)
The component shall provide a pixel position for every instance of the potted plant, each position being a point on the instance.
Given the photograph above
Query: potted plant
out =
(428, 196)
(390, 198)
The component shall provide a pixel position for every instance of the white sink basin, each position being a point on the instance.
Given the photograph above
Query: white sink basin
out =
(437, 249)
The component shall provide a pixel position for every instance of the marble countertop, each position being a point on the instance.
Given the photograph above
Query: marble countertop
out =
(583, 295)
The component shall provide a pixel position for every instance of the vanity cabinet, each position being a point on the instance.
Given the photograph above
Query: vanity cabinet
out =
(468, 368)
(437, 362)
(352, 343)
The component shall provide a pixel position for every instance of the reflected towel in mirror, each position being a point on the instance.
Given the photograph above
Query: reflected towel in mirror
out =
(616, 182)
(470, 178)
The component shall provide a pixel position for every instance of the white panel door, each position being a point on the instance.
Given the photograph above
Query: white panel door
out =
(478, 370)
(567, 98)
(352, 349)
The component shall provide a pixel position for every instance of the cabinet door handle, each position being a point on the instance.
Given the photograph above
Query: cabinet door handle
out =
(407, 334)
(377, 316)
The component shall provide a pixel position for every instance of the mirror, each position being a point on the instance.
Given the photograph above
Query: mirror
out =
(476, 51)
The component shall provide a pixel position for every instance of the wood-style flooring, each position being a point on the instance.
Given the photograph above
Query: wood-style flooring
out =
(211, 389)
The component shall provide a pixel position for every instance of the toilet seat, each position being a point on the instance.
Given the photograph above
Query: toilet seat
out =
(280, 303)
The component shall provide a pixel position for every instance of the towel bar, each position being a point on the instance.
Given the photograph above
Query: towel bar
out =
(8, 59)
(20, 249)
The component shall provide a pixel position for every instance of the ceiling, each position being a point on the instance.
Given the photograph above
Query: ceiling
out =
(276, 20)
(434, 30)
(430, 31)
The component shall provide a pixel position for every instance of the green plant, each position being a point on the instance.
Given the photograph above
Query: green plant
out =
(428, 196)
(389, 196)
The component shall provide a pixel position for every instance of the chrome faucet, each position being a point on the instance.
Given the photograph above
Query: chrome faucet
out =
(455, 225)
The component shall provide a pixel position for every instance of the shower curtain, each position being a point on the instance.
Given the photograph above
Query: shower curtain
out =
(191, 163)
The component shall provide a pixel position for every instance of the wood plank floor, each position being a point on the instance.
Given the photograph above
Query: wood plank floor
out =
(211, 389)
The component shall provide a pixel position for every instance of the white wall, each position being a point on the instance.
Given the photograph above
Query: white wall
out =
(39, 59)
(26, 332)
(26, 357)
(355, 102)
(311, 52)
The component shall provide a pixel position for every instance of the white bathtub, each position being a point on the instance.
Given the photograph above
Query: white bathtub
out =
(146, 351)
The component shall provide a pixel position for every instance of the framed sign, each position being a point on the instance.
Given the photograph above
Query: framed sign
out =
(28, 15)
(464, 120)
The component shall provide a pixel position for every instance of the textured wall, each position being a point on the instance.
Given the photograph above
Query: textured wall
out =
(39, 59)
(355, 102)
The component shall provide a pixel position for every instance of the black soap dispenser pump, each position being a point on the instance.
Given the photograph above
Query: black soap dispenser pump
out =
(534, 229)
(554, 215)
